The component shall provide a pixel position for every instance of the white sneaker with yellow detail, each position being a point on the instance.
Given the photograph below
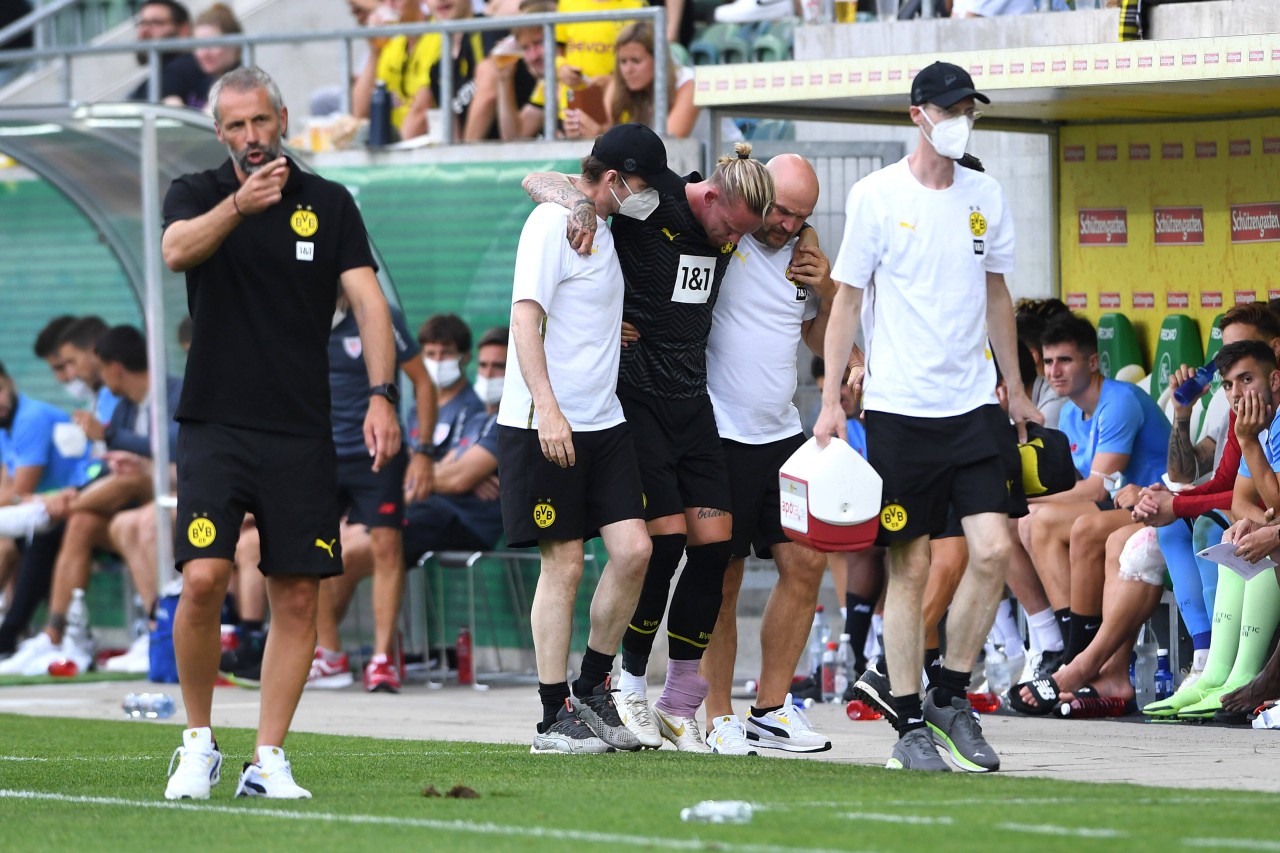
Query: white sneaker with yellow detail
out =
(199, 766)
(271, 777)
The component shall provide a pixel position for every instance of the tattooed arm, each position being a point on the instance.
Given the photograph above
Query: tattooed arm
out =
(1186, 460)
(561, 189)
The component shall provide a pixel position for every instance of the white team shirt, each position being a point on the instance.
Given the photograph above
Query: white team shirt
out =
(922, 256)
(582, 334)
(752, 349)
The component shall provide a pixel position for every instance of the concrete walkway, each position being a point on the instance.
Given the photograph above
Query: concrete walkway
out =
(1190, 756)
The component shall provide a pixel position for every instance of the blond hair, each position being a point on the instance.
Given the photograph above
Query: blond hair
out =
(739, 178)
(624, 104)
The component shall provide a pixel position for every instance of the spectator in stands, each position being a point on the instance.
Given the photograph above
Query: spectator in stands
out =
(629, 93)
(1119, 438)
(513, 61)
(403, 63)
(374, 500)
(991, 8)
(446, 349)
(32, 464)
(217, 20)
(122, 352)
(182, 83)
(588, 58)
(473, 110)
(76, 350)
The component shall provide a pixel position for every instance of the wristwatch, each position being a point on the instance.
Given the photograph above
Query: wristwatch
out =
(389, 390)
(425, 449)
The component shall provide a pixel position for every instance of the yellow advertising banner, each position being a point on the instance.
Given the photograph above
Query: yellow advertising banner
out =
(1177, 218)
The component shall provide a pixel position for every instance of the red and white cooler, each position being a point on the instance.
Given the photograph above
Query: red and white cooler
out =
(830, 497)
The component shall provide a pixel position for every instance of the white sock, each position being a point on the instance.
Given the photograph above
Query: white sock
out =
(872, 647)
(1199, 659)
(1045, 628)
(1007, 627)
(844, 614)
(628, 683)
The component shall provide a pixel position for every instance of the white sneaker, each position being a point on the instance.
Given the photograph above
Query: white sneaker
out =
(681, 731)
(199, 766)
(786, 728)
(746, 11)
(329, 674)
(638, 716)
(29, 650)
(729, 737)
(271, 777)
(136, 660)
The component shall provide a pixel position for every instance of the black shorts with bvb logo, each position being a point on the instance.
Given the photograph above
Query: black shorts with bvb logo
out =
(542, 501)
(930, 464)
(288, 482)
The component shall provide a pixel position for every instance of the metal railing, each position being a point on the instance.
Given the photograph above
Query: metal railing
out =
(87, 19)
(155, 51)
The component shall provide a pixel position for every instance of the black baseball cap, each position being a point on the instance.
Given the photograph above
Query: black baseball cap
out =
(944, 85)
(636, 150)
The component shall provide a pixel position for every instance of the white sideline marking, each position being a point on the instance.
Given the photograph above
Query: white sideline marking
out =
(424, 823)
(1050, 829)
(915, 820)
(1235, 843)
(130, 758)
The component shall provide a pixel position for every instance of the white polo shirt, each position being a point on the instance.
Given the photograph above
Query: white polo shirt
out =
(582, 334)
(752, 349)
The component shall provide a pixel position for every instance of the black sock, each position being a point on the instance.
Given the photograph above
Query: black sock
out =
(1063, 618)
(552, 696)
(760, 712)
(695, 606)
(932, 667)
(950, 685)
(596, 667)
(1084, 628)
(857, 622)
(910, 716)
(637, 641)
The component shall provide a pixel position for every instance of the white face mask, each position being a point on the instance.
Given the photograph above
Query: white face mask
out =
(79, 390)
(445, 372)
(637, 205)
(489, 389)
(950, 137)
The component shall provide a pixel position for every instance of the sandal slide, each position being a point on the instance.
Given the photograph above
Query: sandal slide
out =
(1044, 693)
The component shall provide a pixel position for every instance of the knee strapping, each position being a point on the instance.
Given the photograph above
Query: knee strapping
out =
(696, 604)
(663, 562)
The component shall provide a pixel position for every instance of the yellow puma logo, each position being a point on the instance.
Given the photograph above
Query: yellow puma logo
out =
(320, 543)
(670, 236)
(740, 256)
(907, 225)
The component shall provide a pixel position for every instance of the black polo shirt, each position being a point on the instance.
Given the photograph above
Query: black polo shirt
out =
(672, 278)
(263, 303)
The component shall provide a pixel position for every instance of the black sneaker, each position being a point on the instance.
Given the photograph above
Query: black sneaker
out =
(873, 688)
(243, 666)
(1050, 662)
(600, 713)
(569, 735)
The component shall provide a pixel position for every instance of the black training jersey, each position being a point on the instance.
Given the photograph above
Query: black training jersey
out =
(672, 277)
(262, 304)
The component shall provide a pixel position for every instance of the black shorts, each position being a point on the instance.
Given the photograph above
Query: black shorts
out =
(753, 477)
(681, 459)
(930, 464)
(288, 482)
(1010, 462)
(542, 501)
(372, 498)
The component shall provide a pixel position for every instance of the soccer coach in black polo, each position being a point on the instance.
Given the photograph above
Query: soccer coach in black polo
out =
(264, 247)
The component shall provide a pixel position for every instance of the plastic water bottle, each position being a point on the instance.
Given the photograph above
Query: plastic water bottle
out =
(829, 692)
(816, 645)
(78, 620)
(380, 116)
(1188, 392)
(996, 668)
(1144, 667)
(466, 669)
(1093, 707)
(149, 706)
(1164, 675)
(718, 811)
(844, 666)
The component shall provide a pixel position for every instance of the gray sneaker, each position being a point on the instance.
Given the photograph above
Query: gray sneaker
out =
(600, 713)
(957, 728)
(916, 751)
(569, 735)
